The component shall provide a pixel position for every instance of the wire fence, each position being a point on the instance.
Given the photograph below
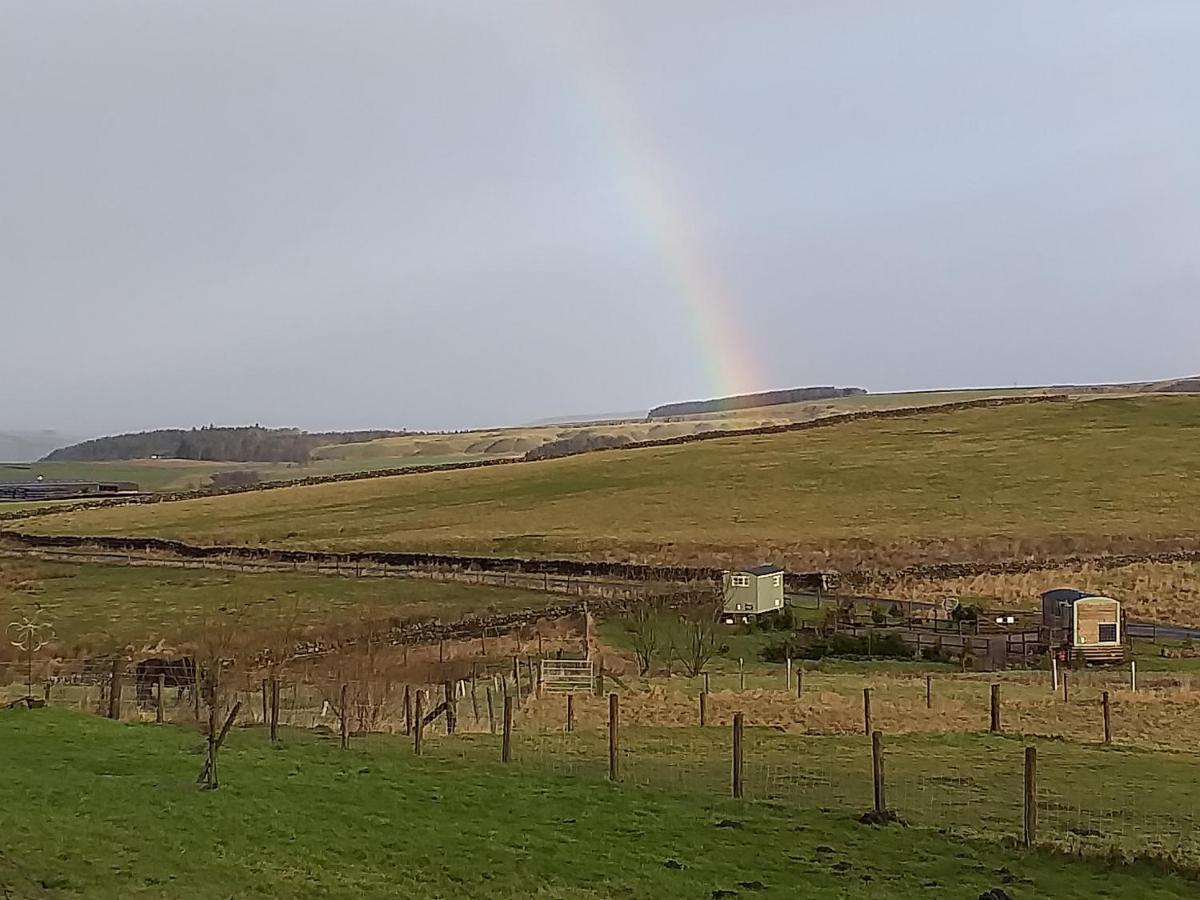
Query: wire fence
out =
(1089, 796)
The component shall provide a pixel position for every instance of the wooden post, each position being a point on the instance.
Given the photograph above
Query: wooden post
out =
(114, 691)
(929, 692)
(703, 709)
(1054, 671)
(517, 678)
(451, 707)
(600, 680)
(506, 745)
(417, 726)
(614, 724)
(788, 682)
(533, 681)
(441, 650)
(158, 699)
(491, 712)
(1066, 695)
(212, 725)
(344, 712)
(737, 756)
(264, 701)
(741, 675)
(408, 710)
(706, 682)
(570, 713)
(799, 683)
(995, 723)
(1107, 718)
(1029, 835)
(274, 709)
(867, 711)
(474, 696)
(1133, 675)
(877, 771)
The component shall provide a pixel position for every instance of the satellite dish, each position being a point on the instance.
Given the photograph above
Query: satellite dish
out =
(950, 604)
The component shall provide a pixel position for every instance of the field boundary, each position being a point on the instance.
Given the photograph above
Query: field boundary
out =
(822, 422)
(799, 582)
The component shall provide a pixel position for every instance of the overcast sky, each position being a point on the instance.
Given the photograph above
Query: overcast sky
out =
(440, 215)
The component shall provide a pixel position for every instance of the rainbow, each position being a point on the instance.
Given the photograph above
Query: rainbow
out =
(710, 309)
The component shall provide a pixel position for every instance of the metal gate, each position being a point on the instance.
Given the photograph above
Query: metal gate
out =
(568, 676)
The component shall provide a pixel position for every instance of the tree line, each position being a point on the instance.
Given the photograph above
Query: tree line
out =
(213, 444)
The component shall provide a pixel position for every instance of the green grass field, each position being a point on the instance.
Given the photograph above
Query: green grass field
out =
(1050, 478)
(105, 606)
(91, 808)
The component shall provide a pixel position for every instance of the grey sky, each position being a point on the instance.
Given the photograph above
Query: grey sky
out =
(453, 214)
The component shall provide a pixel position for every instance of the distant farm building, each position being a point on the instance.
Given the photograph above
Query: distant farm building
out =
(1090, 625)
(752, 592)
(64, 490)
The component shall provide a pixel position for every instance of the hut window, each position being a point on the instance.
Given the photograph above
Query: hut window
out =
(1108, 633)
(741, 581)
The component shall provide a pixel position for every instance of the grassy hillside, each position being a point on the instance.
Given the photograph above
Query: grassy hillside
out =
(468, 446)
(1042, 478)
(91, 808)
(101, 606)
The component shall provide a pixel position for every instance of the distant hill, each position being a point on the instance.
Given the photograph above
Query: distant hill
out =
(26, 446)
(630, 416)
(212, 444)
(753, 401)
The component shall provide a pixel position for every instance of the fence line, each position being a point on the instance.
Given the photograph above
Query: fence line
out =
(1086, 798)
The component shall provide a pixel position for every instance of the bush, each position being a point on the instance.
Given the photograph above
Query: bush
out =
(837, 645)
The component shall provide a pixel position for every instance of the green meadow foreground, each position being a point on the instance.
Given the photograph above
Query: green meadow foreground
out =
(91, 808)
(1048, 478)
(102, 607)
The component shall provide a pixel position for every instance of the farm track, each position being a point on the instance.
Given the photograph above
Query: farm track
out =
(822, 422)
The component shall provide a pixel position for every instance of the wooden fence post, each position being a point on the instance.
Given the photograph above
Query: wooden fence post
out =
(867, 711)
(737, 756)
(534, 683)
(474, 696)
(706, 682)
(451, 707)
(1133, 675)
(600, 680)
(417, 726)
(1054, 671)
(788, 682)
(614, 724)
(506, 745)
(929, 692)
(1029, 835)
(158, 699)
(570, 713)
(995, 723)
(877, 771)
(344, 712)
(703, 709)
(114, 690)
(741, 675)
(517, 678)
(408, 710)
(799, 683)
(274, 709)
(1107, 718)
(1066, 694)
(265, 709)
(491, 711)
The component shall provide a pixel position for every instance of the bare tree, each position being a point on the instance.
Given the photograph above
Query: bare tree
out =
(695, 640)
(645, 628)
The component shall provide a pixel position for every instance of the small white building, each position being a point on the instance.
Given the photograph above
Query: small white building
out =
(751, 592)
